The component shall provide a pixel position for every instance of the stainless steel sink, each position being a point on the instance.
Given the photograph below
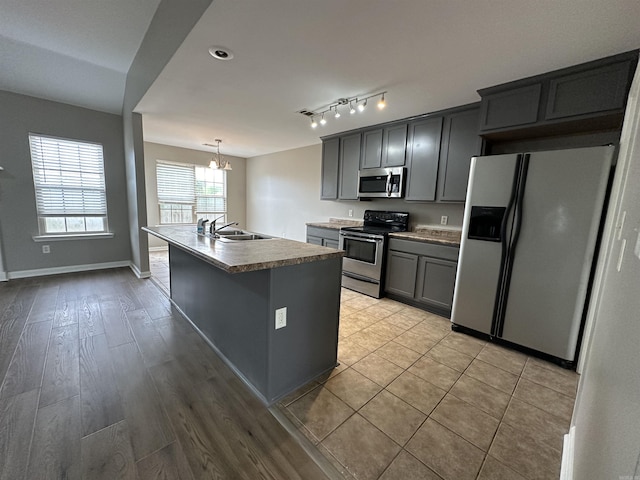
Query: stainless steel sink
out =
(226, 233)
(238, 235)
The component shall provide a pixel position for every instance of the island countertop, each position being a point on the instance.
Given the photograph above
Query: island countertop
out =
(243, 255)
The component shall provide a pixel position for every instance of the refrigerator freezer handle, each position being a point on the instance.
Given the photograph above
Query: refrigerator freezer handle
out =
(496, 322)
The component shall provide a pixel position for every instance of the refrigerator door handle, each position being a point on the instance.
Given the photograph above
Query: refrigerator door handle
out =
(517, 227)
(505, 244)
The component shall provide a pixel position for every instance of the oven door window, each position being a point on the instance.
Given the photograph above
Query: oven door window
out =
(364, 251)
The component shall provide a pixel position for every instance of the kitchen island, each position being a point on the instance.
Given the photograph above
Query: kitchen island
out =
(232, 291)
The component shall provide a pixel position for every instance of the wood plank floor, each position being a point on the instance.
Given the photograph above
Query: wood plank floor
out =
(101, 379)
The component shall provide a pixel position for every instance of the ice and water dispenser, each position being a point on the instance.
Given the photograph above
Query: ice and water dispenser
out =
(486, 223)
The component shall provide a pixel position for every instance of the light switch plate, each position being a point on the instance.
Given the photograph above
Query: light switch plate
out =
(281, 317)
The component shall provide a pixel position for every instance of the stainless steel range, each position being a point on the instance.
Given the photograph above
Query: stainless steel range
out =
(365, 247)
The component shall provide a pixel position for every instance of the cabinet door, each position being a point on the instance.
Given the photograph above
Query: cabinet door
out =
(460, 142)
(423, 153)
(330, 162)
(349, 166)
(327, 242)
(394, 146)
(516, 106)
(314, 240)
(593, 91)
(401, 273)
(372, 149)
(436, 279)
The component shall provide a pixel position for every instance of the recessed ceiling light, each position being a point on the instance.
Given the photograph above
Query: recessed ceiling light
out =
(221, 53)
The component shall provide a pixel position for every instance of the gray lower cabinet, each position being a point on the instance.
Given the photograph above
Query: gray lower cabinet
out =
(422, 274)
(325, 237)
(401, 273)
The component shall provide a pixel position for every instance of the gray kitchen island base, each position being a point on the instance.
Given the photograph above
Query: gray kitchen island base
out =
(235, 313)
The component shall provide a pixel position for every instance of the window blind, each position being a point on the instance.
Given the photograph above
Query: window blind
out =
(176, 183)
(68, 177)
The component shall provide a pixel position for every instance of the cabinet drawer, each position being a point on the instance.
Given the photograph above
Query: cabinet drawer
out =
(328, 233)
(445, 252)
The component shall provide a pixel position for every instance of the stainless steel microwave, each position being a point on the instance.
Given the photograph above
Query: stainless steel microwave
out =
(381, 182)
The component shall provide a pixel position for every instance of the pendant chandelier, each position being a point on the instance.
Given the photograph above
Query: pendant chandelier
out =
(218, 162)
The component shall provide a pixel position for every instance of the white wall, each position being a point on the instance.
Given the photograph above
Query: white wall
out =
(607, 413)
(236, 188)
(283, 193)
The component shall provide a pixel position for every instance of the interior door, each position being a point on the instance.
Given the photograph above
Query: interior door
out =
(561, 211)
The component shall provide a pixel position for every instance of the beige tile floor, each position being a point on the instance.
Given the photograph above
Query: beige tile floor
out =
(413, 400)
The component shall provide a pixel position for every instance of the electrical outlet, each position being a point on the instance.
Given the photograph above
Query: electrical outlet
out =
(444, 220)
(281, 317)
(46, 249)
(351, 213)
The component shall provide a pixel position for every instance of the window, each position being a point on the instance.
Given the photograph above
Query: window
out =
(188, 192)
(69, 182)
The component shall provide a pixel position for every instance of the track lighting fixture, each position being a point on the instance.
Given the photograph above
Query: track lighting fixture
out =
(354, 103)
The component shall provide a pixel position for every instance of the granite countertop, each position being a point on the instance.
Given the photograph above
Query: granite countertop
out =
(336, 223)
(426, 234)
(243, 255)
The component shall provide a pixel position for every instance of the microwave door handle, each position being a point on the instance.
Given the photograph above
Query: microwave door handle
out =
(389, 184)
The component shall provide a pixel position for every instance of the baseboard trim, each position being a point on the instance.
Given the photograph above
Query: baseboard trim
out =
(40, 272)
(159, 249)
(137, 272)
(566, 468)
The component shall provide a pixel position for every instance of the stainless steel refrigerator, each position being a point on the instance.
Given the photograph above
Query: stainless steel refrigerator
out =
(530, 228)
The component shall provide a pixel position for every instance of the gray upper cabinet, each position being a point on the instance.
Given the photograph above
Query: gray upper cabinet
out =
(579, 99)
(596, 90)
(330, 169)
(394, 145)
(423, 152)
(372, 149)
(349, 166)
(460, 142)
(518, 106)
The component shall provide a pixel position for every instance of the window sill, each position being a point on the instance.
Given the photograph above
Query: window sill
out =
(80, 236)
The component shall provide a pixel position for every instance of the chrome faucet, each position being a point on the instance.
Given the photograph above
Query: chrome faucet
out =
(212, 227)
(214, 231)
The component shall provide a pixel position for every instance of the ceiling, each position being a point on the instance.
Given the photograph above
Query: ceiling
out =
(301, 54)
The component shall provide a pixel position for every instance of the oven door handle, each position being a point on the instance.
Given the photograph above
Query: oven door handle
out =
(362, 239)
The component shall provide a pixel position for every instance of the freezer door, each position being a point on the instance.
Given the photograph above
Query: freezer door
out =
(562, 206)
(490, 187)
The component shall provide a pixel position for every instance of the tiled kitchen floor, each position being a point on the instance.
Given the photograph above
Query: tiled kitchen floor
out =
(413, 400)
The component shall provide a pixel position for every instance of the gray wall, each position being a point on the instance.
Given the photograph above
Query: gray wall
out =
(18, 218)
(171, 23)
(283, 193)
(236, 187)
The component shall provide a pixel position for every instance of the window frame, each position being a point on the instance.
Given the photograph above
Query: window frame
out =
(195, 212)
(94, 167)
